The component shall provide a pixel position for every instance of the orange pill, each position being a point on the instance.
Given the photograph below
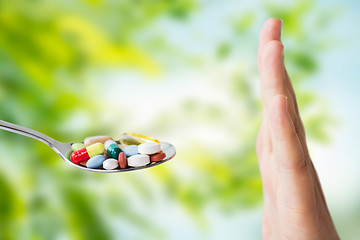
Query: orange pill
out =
(83, 163)
(122, 160)
(157, 157)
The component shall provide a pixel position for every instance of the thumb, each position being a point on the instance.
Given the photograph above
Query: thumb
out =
(285, 141)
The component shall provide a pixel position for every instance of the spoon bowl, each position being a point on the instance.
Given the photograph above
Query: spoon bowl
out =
(64, 149)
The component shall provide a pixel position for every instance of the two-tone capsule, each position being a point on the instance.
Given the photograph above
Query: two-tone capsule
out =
(87, 152)
(112, 148)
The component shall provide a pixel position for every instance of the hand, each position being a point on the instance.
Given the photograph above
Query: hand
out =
(294, 204)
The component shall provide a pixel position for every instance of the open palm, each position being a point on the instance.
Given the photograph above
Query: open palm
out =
(294, 204)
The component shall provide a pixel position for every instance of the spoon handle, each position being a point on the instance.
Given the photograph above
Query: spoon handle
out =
(28, 133)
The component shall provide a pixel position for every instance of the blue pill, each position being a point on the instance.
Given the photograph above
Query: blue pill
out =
(131, 150)
(95, 161)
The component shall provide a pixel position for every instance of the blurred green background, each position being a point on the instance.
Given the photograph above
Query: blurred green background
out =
(183, 71)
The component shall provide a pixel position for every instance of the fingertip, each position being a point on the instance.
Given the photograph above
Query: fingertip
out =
(274, 44)
(273, 21)
(271, 30)
(286, 143)
(281, 102)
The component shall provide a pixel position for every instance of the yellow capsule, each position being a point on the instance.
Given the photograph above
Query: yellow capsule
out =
(95, 149)
(135, 139)
(87, 153)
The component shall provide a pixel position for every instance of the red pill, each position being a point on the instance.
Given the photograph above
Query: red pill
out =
(122, 160)
(87, 152)
(157, 157)
(79, 156)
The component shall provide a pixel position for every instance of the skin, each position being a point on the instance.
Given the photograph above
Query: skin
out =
(294, 203)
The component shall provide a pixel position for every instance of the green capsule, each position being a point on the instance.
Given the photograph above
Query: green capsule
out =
(112, 148)
(69, 154)
(77, 146)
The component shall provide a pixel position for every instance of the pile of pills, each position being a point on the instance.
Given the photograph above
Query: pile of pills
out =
(102, 152)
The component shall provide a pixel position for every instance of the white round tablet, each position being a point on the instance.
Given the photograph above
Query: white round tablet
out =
(138, 160)
(110, 163)
(149, 148)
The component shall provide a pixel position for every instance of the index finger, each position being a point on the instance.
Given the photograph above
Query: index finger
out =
(271, 30)
(272, 72)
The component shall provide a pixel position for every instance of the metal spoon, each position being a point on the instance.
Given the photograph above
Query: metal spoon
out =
(64, 149)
